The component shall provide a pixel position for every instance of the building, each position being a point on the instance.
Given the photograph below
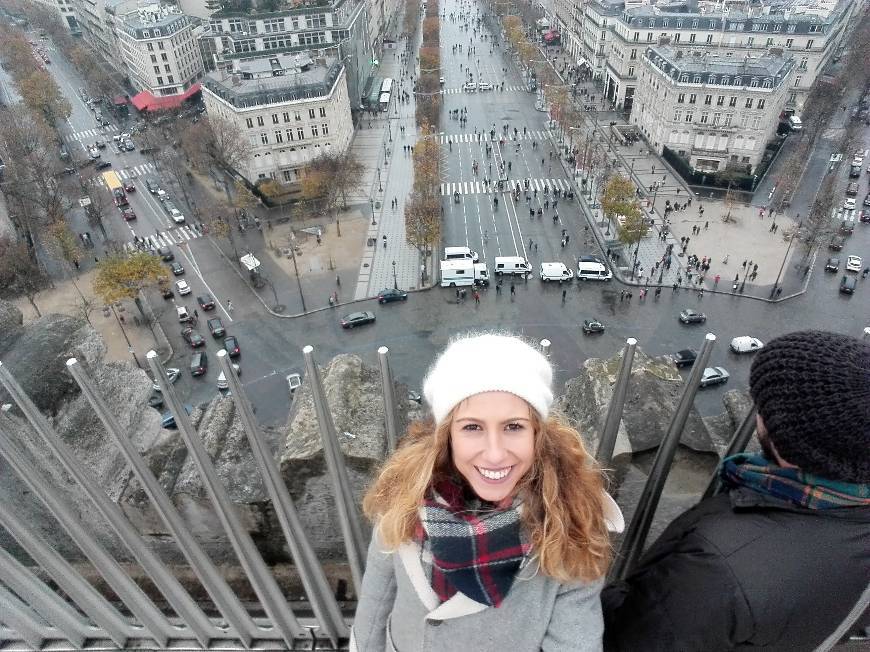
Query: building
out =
(713, 110)
(66, 9)
(615, 33)
(350, 29)
(291, 107)
(96, 21)
(159, 48)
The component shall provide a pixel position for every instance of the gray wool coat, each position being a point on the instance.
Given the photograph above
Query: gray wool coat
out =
(398, 611)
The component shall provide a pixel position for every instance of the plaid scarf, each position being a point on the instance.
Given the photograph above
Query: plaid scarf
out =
(476, 547)
(792, 485)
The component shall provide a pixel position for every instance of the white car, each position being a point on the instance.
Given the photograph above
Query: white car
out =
(469, 86)
(172, 374)
(177, 216)
(853, 264)
(746, 344)
(441, 81)
(222, 379)
(714, 376)
(484, 86)
(849, 203)
(182, 287)
(294, 382)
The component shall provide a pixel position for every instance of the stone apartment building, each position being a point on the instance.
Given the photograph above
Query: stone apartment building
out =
(292, 107)
(159, 48)
(611, 36)
(714, 110)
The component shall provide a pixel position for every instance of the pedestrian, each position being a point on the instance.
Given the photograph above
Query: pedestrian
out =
(564, 294)
(338, 280)
(456, 516)
(195, 313)
(621, 296)
(659, 291)
(563, 243)
(457, 295)
(755, 267)
(76, 262)
(384, 240)
(513, 289)
(706, 225)
(230, 306)
(498, 287)
(716, 280)
(701, 293)
(96, 260)
(798, 509)
(476, 296)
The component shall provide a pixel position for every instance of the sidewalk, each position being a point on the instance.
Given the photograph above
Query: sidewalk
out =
(126, 341)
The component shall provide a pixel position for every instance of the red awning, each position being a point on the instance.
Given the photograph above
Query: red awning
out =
(145, 101)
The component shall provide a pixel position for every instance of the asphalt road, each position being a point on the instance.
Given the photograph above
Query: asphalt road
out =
(415, 330)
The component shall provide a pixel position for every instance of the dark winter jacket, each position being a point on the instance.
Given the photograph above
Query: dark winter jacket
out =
(742, 571)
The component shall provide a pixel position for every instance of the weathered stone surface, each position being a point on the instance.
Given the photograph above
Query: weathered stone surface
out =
(11, 325)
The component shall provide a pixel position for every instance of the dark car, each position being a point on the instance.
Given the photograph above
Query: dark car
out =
(166, 254)
(689, 316)
(388, 294)
(864, 216)
(231, 344)
(837, 243)
(216, 327)
(357, 319)
(102, 165)
(833, 265)
(205, 302)
(866, 200)
(152, 186)
(592, 326)
(129, 187)
(685, 358)
(177, 269)
(848, 284)
(714, 376)
(166, 290)
(193, 338)
(120, 197)
(168, 420)
(128, 214)
(198, 363)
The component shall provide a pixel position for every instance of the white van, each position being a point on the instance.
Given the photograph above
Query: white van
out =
(556, 272)
(457, 273)
(593, 271)
(460, 253)
(511, 265)
(795, 123)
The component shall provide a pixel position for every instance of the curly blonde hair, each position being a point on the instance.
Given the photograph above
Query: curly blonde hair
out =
(562, 494)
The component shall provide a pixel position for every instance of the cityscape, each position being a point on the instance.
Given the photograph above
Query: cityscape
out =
(262, 220)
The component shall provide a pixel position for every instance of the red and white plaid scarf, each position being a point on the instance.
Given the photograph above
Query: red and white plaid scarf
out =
(476, 547)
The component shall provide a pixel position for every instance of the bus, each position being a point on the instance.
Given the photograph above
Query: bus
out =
(112, 181)
(387, 86)
(384, 102)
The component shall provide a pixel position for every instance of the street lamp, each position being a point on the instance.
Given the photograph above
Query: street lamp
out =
(389, 130)
(395, 281)
(385, 155)
(380, 187)
(372, 202)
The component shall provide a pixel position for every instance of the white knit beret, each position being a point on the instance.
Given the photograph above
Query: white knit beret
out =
(473, 364)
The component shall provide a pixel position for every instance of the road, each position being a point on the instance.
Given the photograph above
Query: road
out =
(415, 330)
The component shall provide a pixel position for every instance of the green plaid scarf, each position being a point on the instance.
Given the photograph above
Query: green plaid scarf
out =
(792, 485)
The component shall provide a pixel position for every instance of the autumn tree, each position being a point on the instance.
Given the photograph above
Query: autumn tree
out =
(422, 222)
(19, 272)
(331, 176)
(620, 201)
(124, 277)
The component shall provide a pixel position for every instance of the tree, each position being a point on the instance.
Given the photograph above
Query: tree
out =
(331, 176)
(41, 94)
(19, 272)
(219, 143)
(124, 277)
(422, 222)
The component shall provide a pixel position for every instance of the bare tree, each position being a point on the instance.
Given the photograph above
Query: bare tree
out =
(19, 272)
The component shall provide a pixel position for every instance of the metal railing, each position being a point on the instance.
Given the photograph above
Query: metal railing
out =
(34, 616)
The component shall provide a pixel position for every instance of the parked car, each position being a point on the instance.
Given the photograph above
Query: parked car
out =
(746, 344)
(853, 264)
(837, 243)
(198, 363)
(833, 264)
(848, 284)
(231, 344)
(216, 327)
(182, 287)
(128, 214)
(168, 419)
(222, 379)
(591, 326)
(205, 302)
(357, 319)
(714, 376)
(193, 338)
(387, 295)
(689, 316)
(848, 203)
(129, 187)
(685, 357)
(102, 165)
(177, 269)
(866, 200)
(152, 186)
(172, 374)
(165, 254)
(183, 315)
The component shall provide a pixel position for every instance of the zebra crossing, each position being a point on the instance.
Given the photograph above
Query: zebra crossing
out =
(484, 137)
(477, 187)
(90, 134)
(458, 91)
(164, 239)
(132, 172)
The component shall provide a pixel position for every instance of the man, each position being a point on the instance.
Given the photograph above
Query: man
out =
(780, 559)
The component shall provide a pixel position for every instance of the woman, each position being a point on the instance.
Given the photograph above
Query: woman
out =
(491, 526)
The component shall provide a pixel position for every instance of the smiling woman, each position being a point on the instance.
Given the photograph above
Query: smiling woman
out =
(490, 523)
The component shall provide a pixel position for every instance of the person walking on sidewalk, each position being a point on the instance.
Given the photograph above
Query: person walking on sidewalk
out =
(476, 296)
(513, 289)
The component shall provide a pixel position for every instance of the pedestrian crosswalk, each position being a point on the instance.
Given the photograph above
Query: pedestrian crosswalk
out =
(457, 91)
(131, 172)
(89, 135)
(164, 239)
(478, 187)
(486, 136)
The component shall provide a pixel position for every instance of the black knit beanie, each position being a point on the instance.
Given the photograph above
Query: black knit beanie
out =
(812, 389)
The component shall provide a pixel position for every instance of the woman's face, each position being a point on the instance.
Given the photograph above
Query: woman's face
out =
(493, 443)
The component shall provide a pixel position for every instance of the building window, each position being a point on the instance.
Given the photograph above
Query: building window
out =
(681, 98)
(311, 113)
(789, 42)
(738, 81)
(684, 78)
(705, 118)
(756, 122)
(692, 38)
(297, 115)
(677, 37)
(153, 58)
(708, 100)
(728, 118)
(678, 115)
(696, 79)
(810, 44)
(792, 28)
(164, 57)
(160, 81)
(289, 133)
(689, 116)
(760, 104)
(792, 97)
(151, 47)
(692, 98)
(717, 118)
(633, 54)
(631, 71)
(720, 100)
(804, 62)
(695, 23)
(264, 138)
(300, 133)
(754, 83)
(249, 122)
(748, 102)
(274, 118)
(750, 41)
(286, 116)
(649, 37)
(709, 39)
(260, 120)
(777, 27)
(322, 112)
(156, 70)
(636, 37)
(732, 101)
(314, 132)
(324, 128)
(279, 137)
(797, 80)
(679, 22)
